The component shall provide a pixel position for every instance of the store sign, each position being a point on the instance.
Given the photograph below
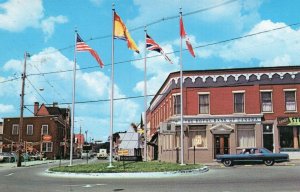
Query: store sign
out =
(47, 137)
(288, 121)
(226, 120)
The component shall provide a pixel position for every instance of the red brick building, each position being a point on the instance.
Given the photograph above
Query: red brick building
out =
(48, 131)
(226, 110)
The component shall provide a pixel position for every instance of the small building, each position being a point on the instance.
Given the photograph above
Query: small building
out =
(47, 131)
(225, 111)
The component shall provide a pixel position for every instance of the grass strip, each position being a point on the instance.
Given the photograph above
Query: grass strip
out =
(129, 167)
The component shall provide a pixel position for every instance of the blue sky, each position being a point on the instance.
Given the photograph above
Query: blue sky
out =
(45, 29)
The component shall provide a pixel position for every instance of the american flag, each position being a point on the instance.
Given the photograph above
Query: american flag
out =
(82, 46)
(153, 46)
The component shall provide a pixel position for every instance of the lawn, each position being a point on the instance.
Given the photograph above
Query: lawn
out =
(125, 167)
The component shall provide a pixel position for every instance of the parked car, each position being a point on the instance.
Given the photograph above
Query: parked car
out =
(7, 157)
(102, 154)
(86, 154)
(253, 155)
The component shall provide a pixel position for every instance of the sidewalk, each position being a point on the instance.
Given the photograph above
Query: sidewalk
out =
(29, 163)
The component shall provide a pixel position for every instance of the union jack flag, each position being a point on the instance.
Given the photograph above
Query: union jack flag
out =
(153, 46)
(82, 46)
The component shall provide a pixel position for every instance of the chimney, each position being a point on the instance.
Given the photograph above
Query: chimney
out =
(36, 108)
(55, 104)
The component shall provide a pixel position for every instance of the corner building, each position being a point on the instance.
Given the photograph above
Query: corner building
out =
(225, 111)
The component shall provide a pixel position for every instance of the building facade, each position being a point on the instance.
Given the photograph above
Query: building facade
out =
(1, 136)
(48, 131)
(225, 111)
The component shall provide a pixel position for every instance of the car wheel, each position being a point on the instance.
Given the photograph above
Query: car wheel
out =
(269, 162)
(227, 163)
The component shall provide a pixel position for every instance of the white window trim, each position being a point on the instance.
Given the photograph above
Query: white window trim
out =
(42, 129)
(233, 92)
(27, 129)
(12, 129)
(47, 147)
(267, 91)
(290, 89)
(204, 93)
(239, 91)
(296, 110)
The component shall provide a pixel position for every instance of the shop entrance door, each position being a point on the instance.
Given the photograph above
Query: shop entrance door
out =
(221, 145)
(268, 136)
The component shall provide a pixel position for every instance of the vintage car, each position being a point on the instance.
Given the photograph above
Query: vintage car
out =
(253, 155)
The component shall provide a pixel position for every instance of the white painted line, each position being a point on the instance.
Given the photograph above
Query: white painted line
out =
(9, 175)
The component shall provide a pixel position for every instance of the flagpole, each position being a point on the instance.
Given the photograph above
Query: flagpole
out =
(181, 100)
(145, 96)
(73, 102)
(112, 89)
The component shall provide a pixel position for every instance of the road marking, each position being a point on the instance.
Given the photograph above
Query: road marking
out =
(9, 175)
(85, 185)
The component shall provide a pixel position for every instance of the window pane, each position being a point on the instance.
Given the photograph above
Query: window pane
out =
(176, 104)
(204, 104)
(239, 102)
(246, 136)
(266, 98)
(290, 101)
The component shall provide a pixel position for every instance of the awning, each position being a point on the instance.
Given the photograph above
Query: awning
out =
(153, 140)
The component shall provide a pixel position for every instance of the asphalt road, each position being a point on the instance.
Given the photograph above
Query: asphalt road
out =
(238, 178)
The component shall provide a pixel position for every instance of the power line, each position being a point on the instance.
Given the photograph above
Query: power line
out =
(196, 47)
(36, 90)
(150, 24)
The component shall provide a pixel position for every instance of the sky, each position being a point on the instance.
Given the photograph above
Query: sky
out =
(46, 30)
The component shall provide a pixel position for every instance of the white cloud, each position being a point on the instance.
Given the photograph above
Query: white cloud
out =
(20, 14)
(157, 68)
(6, 108)
(276, 48)
(17, 15)
(90, 86)
(48, 24)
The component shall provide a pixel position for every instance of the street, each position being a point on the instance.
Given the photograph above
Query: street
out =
(237, 178)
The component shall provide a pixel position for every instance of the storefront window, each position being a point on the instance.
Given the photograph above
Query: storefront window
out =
(286, 137)
(245, 136)
(197, 136)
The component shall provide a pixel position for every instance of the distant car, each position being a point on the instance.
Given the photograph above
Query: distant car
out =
(86, 154)
(253, 155)
(102, 154)
(6, 157)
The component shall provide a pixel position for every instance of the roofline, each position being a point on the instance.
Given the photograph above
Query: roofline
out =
(30, 117)
(223, 70)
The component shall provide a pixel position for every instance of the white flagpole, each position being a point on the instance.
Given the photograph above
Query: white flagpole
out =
(112, 89)
(181, 100)
(145, 97)
(73, 102)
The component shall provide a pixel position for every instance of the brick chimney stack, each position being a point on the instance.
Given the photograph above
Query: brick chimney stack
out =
(36, 108)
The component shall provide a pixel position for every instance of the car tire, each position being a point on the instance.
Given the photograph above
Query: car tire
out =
(269, 162)
(227, 163)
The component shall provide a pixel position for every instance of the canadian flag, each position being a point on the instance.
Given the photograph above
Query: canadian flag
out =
(187, 40)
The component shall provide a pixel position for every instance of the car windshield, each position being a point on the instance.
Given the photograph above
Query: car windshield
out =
(263, 150)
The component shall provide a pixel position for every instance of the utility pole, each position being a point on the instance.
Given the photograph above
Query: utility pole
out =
(19, 164)
(86, 135)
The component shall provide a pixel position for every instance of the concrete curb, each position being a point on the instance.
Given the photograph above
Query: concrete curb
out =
(129, 175)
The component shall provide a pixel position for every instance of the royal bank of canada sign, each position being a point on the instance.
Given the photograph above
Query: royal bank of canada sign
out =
(214, 120)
